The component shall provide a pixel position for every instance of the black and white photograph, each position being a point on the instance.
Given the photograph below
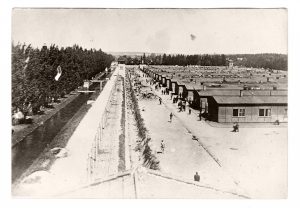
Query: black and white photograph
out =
(149, 103)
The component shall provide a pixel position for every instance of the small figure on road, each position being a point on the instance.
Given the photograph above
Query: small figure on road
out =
(197, 177)
(190, 111)
(180, 105)
(183, 106)
(235, 127)
(200, 116)
(171, 116)
(162, 146)
(160, 101)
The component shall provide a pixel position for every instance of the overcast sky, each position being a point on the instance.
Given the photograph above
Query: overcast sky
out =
(190, 31)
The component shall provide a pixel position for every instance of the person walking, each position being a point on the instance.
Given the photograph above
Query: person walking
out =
(162, 146)
(235, 127)
(171, 116)
(197, 177)
(190, 111)
(159, 101)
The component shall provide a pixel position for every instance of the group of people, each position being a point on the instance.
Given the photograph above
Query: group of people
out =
(165, 91)
(175, 99)
(182, 105)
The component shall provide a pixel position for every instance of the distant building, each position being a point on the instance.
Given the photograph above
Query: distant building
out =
(114, 63)
(121, 66)
(121, 60)
(142, 66)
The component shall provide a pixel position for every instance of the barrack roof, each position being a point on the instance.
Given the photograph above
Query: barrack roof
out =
(251, 99)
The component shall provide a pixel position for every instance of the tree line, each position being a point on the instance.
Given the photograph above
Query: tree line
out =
(177, 59)
(34, 69)
(265, 60)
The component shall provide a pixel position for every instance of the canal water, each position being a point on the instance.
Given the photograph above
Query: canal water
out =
(25, 152)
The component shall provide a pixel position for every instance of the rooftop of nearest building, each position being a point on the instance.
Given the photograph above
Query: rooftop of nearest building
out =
(250, 99)
(245, 93)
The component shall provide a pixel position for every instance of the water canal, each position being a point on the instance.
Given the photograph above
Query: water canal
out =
(30, 148)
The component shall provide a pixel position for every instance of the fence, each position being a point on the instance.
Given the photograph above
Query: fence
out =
(93, 155)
